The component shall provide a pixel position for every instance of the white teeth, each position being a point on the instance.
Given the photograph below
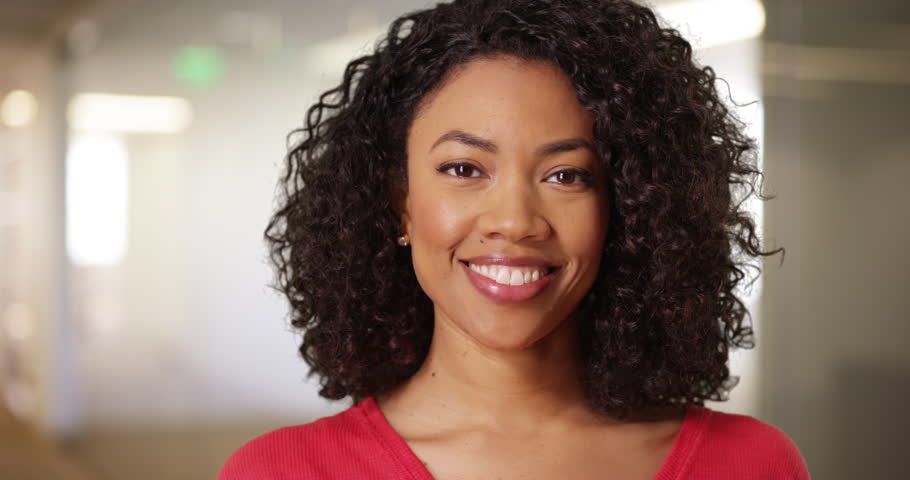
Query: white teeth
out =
(502, 275)
(509, 275)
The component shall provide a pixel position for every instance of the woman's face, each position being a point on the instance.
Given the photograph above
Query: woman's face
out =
(506, 204)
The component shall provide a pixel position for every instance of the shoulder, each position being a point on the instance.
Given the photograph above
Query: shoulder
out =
(743, 430)
(313, 450)
(745, 447)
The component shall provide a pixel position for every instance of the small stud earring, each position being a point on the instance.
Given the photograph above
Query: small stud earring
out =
(404, 240)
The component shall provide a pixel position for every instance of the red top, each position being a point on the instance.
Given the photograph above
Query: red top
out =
(360, 444)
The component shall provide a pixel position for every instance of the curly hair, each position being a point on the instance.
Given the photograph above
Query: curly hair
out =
(658, 323)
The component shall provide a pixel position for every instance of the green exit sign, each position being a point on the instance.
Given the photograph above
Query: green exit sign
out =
(198, 67)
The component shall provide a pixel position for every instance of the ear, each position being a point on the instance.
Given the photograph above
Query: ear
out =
(405, 216)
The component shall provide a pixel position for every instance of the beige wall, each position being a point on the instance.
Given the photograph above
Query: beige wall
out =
(836, 367)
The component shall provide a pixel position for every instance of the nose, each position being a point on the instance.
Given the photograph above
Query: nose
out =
(513, 213)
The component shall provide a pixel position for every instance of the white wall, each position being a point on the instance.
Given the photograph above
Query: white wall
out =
(192, 331)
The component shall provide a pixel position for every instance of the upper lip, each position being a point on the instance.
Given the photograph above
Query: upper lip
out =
(526, 261)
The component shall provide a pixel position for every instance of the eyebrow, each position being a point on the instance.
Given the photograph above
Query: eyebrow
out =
(475, 141)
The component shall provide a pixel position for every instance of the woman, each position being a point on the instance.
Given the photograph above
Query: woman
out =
(513, 234)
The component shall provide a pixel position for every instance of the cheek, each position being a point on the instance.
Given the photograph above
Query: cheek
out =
(439, 224)
(438, 221)
(583, 231)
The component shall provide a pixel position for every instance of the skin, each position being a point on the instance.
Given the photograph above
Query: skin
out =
(499, 394)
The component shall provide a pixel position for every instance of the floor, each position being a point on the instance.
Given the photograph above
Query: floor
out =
(159, 453)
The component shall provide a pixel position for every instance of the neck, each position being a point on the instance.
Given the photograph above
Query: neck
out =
(472, 384)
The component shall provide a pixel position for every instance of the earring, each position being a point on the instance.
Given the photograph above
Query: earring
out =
(404, 240)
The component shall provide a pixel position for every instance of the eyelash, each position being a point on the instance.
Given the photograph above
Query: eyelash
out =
(584, 177)
(453, 165)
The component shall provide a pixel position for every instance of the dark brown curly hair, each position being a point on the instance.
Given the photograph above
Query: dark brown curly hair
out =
(657, 325)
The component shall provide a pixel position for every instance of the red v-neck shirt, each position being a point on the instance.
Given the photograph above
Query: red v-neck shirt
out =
(360, 444)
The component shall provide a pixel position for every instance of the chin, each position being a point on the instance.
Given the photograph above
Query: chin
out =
(508, 332)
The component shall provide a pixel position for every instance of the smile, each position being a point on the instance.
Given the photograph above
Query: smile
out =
(509, 280)
(506, 275)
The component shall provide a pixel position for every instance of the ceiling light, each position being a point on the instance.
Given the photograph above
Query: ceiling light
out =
(128, 113)
(709, 23)
(19, 108)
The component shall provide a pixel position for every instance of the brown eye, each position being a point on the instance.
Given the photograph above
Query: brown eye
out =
(464, 170)
(570, 177)
(461, 170)
(566, 177)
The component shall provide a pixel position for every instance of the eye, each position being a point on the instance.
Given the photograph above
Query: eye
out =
(571, 176)
(460, 169)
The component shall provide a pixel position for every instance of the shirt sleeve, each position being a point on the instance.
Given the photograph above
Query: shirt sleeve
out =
(742, 447)
(254, 460)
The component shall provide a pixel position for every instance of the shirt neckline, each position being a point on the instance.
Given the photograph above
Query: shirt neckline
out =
(684, 446)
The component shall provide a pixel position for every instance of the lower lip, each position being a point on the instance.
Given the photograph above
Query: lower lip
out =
(507, 293)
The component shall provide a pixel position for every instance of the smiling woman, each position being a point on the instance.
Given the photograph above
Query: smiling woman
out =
(513, 235)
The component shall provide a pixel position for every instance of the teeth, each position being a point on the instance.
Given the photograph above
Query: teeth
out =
(509, 275)
(502, 275)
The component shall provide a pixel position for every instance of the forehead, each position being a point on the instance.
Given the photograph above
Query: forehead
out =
(505, 98)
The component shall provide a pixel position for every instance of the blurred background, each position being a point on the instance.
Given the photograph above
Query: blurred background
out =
(140, 143)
